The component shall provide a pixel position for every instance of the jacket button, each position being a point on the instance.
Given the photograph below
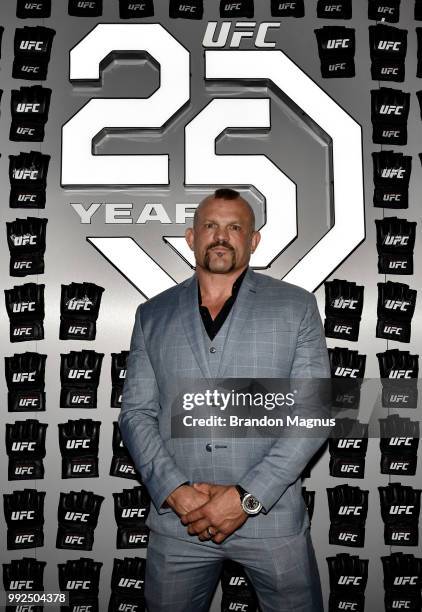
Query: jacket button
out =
(213, 349)
(208, 447)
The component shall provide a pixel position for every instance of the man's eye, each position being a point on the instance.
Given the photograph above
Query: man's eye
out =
(209, 225)
(236, 227)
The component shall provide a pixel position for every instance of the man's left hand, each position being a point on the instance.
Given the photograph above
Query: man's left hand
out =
(223, 514)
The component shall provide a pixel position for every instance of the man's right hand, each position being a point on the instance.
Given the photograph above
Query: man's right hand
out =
(186, 498)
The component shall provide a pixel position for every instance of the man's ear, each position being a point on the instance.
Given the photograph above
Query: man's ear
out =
(189, 237)
(256, 238)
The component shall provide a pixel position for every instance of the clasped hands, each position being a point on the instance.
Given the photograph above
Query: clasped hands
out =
(202, 506)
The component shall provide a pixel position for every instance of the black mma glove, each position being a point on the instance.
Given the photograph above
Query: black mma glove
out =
(25, 378)
(79, 442)
(25, 307)
(26, 239)
(25, 446)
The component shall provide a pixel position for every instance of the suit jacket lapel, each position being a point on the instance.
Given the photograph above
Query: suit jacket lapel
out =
(242, 309)
(192, 323)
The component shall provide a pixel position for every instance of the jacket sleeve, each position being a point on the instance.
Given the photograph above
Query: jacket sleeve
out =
(138, 422)
(288, 456)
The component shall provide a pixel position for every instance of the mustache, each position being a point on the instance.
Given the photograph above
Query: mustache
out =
(220, 243)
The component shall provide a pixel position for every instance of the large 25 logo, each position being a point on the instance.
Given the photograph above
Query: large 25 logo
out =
(203, 167)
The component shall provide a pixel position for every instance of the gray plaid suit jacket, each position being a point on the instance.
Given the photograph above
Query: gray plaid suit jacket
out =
(275, 332)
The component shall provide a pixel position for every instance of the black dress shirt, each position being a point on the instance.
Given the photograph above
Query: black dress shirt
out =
(213, 326)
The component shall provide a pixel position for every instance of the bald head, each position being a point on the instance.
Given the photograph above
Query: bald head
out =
(229, 195)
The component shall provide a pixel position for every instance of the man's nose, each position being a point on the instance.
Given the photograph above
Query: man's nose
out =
(221, 233)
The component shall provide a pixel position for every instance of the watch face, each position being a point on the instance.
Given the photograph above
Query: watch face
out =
(251, 504)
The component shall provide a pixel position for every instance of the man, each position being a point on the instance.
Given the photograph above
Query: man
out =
(237, 498)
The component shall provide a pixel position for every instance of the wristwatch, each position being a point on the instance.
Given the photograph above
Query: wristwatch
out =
(248, 502)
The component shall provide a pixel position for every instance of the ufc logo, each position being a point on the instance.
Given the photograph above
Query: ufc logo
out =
(333, 8)
(186, 8)
(22, 515)
(21, 446)
(136, 7)
(28, 401)
(25, 131)
(391, 109)
(238, 606)
(81, 608)
(74, 540)
(26, 538)
(400, 442)
(23, 240)
(399, 580)
(286, 5)
(25, 175)
(347, 537)
(76, 516)
(87, 374)
(397, 305)
(22, 331)
(125, 607)
(389, 45)
(391, 133)
(138, 539)
(399, 398)
(401, 509)
(72, 585)
(30, 69)
(33, 6)
(347, 605)
(78, 305)
(22, 265)
(122, 374)
(338, 43)
(349, 372)
(400, 374)
(387, 70)
(398, 173)
(80, 399)
(400, 535)
(77, 444)
(126, 469)
(390, 329)
(386, 9)
(19, 585)
(86, 4)
(345, 303)
(31, 45)
(399, 465)
(82, 469)
(78, 330)
(131, 512)
(355, 580)
(26, 197)
(336, 67)
(237, 581)
(400, 604)
(131, 583)
(343, 329)
(396, 240)
(23, 307)
(392, 197)
(23, 377)
(234, 6)
(350, 468)
(347, 510)
(28, 107)
(397, 265)
(349, 443)
(22, 471)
